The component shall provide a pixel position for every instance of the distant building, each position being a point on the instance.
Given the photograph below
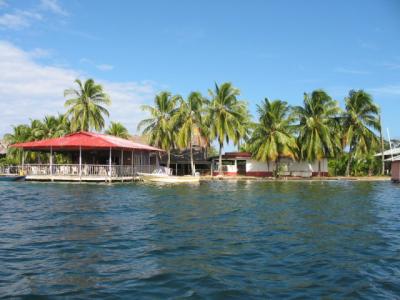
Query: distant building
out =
(242, 163)
(180, 158)
(180, 161)
(388, 155)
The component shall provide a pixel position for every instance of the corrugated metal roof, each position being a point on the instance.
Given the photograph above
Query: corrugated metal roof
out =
(84, 140)
(394, 151)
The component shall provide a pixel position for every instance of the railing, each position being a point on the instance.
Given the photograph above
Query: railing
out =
(86, 170)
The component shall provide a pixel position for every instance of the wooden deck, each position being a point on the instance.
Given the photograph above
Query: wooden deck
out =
(81, 179)
(79, 173)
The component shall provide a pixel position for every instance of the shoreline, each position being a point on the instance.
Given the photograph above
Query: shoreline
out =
(296, 179)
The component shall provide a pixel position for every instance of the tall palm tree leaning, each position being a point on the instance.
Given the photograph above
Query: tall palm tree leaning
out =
(189, 119)
(318, 119)
(159, 128)
(273, 134)
(117, 129)
(86, 106)
(361, 117)
(226, 114)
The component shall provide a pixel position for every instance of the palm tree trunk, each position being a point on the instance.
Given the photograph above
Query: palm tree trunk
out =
(349, 163)
(191, 160)
(319, 168)
(276, 168)
(220, 159)
(169, 158)
(382, 147)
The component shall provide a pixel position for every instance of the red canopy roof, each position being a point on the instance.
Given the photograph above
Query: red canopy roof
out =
(85, 140)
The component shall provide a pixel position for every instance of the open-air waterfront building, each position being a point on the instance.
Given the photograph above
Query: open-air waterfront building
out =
(242, 163)
(91, 157)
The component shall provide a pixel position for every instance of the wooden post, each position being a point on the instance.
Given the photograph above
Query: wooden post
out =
(109, 165)
(122, 165)
(132, 173)
(80, 163)
(23, 161)
(51, 163)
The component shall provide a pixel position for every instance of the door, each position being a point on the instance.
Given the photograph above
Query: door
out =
(241, 167)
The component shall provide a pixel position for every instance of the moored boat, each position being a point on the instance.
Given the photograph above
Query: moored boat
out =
(10, 177)
(163, 175)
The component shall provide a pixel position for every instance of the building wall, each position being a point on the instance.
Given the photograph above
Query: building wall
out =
(288, 168)
(396, 171)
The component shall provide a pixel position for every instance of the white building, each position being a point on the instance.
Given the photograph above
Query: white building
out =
(241, 163)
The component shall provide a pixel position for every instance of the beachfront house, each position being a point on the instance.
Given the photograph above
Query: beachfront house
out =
(242, 163)
(91, 157)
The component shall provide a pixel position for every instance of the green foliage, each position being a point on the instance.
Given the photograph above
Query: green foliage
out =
(188, 118)
(117, 129)
(273, 134)
(318, 126)
(360, 120)
(49, 127)
(86, 106)
(228, 117)
(160, 127)
(317, 129)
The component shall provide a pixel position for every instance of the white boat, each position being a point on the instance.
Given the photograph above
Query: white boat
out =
(162, 174)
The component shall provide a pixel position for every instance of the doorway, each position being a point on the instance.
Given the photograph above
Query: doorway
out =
(241, 167)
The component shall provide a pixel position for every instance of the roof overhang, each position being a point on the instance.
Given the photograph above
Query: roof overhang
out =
(84, 141)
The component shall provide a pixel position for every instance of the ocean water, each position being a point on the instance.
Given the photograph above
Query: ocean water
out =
(215, 240)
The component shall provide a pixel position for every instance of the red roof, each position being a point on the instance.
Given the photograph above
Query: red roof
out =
(85, 140)
(236, 154)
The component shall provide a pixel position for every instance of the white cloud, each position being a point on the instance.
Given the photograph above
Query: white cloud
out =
(53, 6)
(351, 71)
(390, 89)
(19, 19)
(30, 90)
(104, 67)
(101, 67)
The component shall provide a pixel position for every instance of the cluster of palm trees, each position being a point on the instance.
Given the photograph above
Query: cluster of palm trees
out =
(85, 111)
(318, 129)
(174, 121)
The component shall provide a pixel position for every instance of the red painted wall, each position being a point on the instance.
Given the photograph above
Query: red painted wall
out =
(396, 170)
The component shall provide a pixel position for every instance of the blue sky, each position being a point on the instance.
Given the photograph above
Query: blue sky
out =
(274, 49)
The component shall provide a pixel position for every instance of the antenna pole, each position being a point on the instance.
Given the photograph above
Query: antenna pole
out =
(390, 143)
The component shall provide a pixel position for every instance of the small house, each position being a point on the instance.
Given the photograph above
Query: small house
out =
(242, 163)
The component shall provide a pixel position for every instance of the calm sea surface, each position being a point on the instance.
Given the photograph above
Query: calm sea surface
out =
(217, 240)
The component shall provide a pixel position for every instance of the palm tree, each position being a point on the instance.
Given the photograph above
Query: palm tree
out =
(54, 126)
(189, 120)
(160, 127)
(20, 134)
(318, 125)
(360, 119)
(117, 129)
(86, 106)
(226, 116)
(273, 135)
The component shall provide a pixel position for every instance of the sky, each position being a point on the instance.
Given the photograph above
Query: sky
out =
(273, 49)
